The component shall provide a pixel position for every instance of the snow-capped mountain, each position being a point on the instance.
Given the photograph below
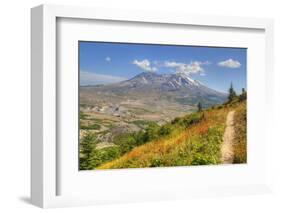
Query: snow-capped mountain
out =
(176, 87)
(166, 82)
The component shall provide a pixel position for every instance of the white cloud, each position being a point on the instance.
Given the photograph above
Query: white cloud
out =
(173, 64)
(145, 65)
(230, 63)
(108, 59)
(188, 68)
(90, 78)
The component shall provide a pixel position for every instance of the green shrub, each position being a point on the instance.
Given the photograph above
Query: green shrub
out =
(104, 155)
(141, 123)
(82, 115)
(165, 129)
(140, 138)
(91, 127)
(200, 159)
(156, 162)
(151, 132)
(188, 120)
(126, 142)
(206, 148)
(176, 120)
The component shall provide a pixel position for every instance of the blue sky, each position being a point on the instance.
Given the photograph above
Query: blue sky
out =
(105, 63)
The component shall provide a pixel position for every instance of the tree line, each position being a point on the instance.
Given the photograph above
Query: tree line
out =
(232, 96)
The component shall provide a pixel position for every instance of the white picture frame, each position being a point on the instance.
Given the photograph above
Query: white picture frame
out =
(45, 170)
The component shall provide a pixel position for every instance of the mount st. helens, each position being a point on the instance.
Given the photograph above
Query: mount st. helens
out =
(129, 106)
(150, 87)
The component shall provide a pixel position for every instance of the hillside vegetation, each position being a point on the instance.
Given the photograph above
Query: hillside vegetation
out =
(194, 139)
(240, 139)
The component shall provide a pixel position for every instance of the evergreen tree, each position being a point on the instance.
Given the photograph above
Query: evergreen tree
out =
(199, 107)
(87, 149)
(232, 93)
(243, 95)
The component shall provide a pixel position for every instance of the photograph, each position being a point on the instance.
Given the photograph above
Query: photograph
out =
(161, 105)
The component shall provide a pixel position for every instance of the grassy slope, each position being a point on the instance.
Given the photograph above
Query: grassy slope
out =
(199, 144)
(240, 140)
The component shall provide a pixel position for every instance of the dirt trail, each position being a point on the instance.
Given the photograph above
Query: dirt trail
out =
(227, 145)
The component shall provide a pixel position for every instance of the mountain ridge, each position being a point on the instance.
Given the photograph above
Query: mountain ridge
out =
(177, 87)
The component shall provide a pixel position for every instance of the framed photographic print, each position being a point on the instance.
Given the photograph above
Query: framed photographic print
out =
(130, 106)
